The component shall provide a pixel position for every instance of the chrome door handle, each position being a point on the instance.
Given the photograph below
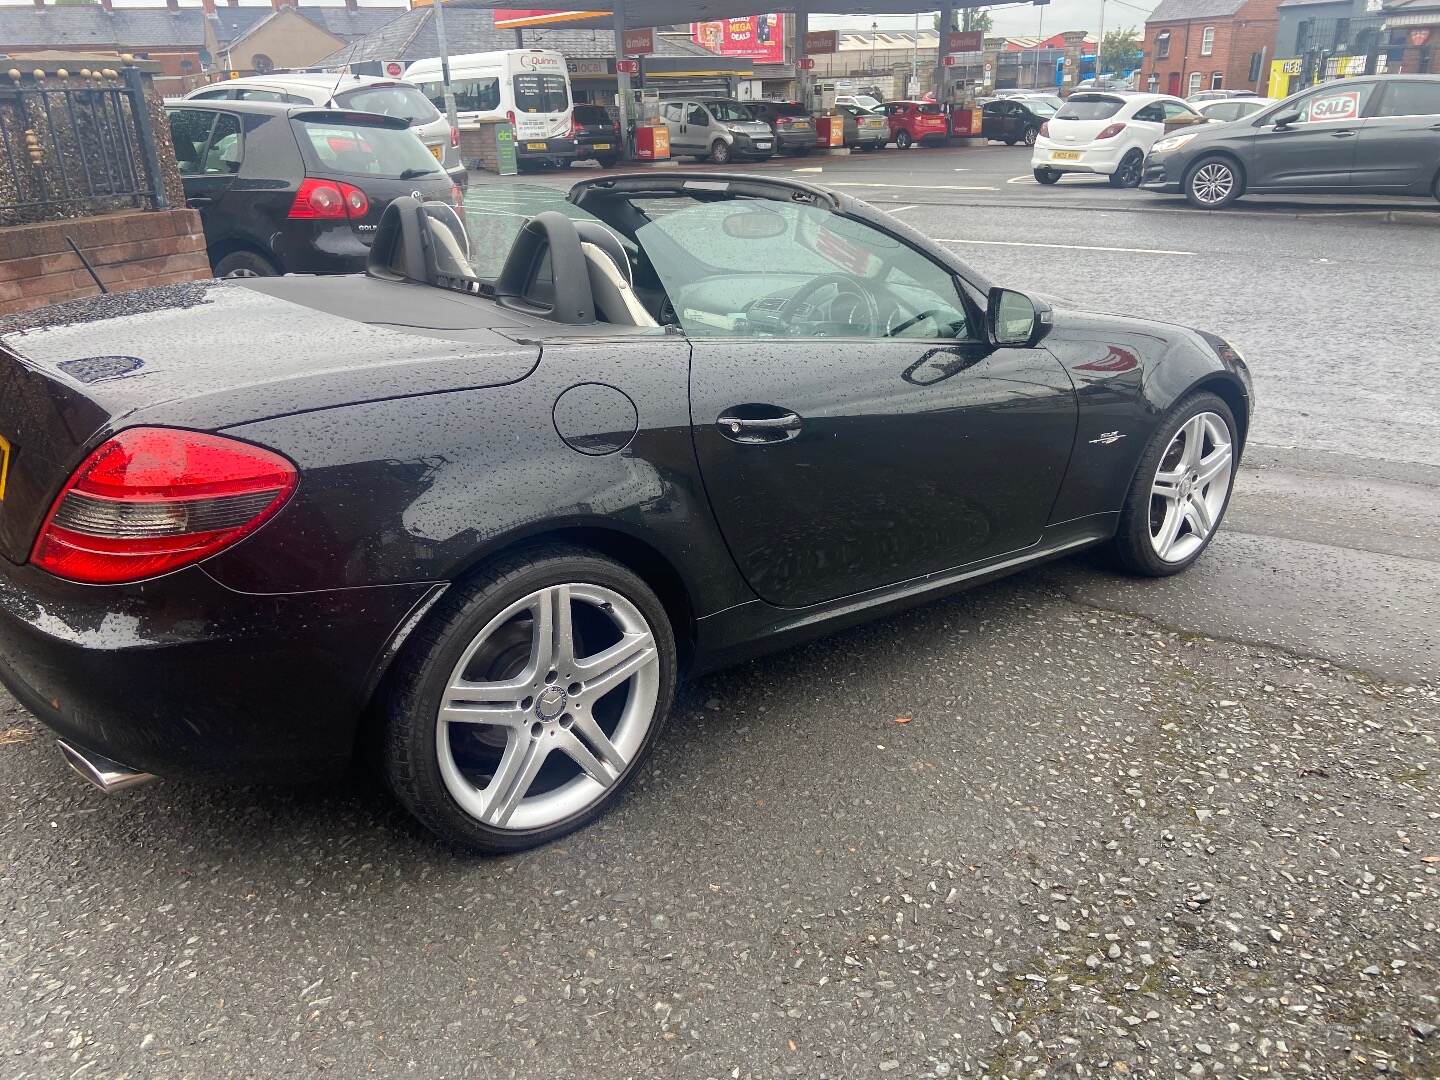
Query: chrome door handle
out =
(1341, 134)
(769, 429)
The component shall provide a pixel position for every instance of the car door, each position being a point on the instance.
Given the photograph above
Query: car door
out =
(1398, 148)
(846, 448)
(673, 113)
(1316, 151)
(209, 149)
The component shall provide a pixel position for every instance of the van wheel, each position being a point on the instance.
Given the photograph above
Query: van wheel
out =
(245, 264)
(720, 152)
(903, 140)
(1047, 176)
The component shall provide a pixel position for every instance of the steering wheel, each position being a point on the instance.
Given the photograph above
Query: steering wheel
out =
(844, 285)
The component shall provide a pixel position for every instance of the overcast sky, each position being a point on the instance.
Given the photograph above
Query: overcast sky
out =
(1014, 19)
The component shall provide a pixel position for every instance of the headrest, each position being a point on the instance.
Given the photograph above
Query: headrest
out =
(592, 232)
(550, 233)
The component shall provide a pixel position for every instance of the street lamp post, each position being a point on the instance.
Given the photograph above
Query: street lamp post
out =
(874, 41)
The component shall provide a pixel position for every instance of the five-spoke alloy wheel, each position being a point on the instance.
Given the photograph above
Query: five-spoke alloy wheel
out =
(545, 686)
(1181, 488)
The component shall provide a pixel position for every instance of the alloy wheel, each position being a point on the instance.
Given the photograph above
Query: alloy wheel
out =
(547, 706)
(242, 272)
(1190, 487)
(1030, 133)
(1213, 182)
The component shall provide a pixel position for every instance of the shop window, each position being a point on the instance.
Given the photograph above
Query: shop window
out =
(1207, 41)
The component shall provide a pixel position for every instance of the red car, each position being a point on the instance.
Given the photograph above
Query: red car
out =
(916, 121)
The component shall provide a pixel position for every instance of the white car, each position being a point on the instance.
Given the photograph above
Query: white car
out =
(1107, 134)
(359, 93)
(1233, 108)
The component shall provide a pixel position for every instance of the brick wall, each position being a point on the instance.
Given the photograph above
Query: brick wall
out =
(128, 250)
(1237, 38)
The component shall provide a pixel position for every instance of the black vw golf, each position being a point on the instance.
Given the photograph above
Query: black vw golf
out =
(479, 527)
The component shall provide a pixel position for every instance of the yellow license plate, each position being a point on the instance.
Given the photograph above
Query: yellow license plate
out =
(602, 146)
(802, 126)
(534, 146)
(4, 465)
(1065, 155)
(438, 151)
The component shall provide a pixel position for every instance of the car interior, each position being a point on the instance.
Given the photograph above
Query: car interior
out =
(627, 264)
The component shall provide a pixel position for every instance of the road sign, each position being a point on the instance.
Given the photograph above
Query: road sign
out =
(393, 69)
(805, 63)
(627, 67)
(821, 41)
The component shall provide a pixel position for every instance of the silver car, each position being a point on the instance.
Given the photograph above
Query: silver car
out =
(360, 93)
(717, 130)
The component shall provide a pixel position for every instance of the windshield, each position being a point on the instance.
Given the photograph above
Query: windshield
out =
(866, 101)
(541, 93)
(1089, 108)
(392, 153)
(406, 102)
(1043, 106)
(730, 112)
(591, 114)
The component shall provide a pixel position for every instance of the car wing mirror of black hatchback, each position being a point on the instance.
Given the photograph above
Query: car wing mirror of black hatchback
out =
(1013, 320)
(1286, 119)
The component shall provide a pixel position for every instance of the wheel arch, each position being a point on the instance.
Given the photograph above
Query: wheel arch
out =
(1229, 390)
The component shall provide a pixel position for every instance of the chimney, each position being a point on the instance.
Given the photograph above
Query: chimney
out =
(209, 6)
(278, 4)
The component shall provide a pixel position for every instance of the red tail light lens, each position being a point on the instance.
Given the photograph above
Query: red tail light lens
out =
(457, 196)
(329, 199)
(151, 500)
(455, 138)
(1111, 131)
(1045, 130)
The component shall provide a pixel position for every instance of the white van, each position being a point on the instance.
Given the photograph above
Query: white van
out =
(528, 87)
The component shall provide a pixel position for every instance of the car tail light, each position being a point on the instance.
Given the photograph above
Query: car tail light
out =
(1111, 131)
(454, 138)
(1045, 130)
(329, 199)
(151, 500)
(457, 196)
(575, 127)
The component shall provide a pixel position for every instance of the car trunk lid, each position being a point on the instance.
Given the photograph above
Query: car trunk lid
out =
(1083, 117)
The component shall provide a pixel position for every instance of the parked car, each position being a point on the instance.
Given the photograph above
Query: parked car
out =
(864, 129)
(287, 189)
(1219, 95)
(1017, 119)
(792, 123)
(1227, 109)
(1374, 135)
(911, 122)
(718, 130)
(1105, 82)
(596, 135)
(357, 93)
(312, 529)
(1107, 134)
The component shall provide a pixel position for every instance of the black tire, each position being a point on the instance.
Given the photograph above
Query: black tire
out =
(1436, 189)
(1047, 176)
(608, 161)
(1031, 133)
(903, 140)
(720, 152)
(1130, 170)
(409, 742)
(245, 264)
(870, 148)
(1132, 550)
(1213, 183)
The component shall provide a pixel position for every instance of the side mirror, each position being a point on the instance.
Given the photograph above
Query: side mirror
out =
(1013, 320)
(1284, 121)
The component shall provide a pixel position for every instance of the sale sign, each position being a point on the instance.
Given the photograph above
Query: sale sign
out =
(1342, 106)
(757, 37)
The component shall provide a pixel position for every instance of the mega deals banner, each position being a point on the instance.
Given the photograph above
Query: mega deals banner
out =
(757, 37)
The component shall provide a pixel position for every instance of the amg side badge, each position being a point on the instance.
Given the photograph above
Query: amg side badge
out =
(1105, 438)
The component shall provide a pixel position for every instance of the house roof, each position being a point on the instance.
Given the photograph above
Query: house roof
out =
(1182, 10)
(233, 23)
(471, 30)
(89, 26)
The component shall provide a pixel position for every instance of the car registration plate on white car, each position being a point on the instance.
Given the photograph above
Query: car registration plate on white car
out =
(1065, 155)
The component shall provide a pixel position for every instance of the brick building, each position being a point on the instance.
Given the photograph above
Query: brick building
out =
(1194, 45)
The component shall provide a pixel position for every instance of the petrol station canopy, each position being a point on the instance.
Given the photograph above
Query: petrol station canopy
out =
(664, 12)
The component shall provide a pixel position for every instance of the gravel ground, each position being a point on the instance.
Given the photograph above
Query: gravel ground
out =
(1007, 835)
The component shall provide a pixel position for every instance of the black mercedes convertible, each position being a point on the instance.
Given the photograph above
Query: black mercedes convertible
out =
(478, 527)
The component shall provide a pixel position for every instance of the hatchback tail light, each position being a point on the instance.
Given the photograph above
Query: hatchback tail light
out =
(575, 127)
(151, 500)
(329, 199)
(457, 196)
(1111, 131)
(454, 138)
(1045, 130)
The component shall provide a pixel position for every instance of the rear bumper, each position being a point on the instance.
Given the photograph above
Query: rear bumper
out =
(1104, 160)
(303, 247)
(184, 678)
(537, 150)
(796, 140)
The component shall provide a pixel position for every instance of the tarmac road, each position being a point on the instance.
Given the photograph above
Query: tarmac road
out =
(1178, 828)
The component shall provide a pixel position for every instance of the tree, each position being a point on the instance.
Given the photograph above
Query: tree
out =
(1119, 51)
(970, 19)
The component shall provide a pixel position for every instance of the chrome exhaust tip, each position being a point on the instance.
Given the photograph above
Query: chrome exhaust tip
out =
(105, 774)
